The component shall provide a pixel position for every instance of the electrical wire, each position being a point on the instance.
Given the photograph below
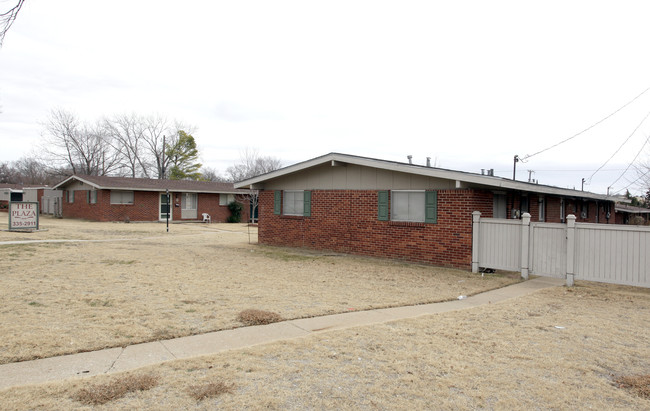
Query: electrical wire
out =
(620, 147)
(527, 156)
(633, 182)
(633, 160)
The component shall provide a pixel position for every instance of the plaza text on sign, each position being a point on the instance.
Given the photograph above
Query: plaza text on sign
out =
(23, 216)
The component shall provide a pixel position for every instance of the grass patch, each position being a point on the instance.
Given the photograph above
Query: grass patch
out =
(638, 384)
(36, 304)
(209, 390)
(258, 317)
(103, 393)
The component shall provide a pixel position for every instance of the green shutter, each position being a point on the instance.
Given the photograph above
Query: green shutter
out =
(277, 202)
(88, 196)
(307, 204)
(431, 207)
(382, 205)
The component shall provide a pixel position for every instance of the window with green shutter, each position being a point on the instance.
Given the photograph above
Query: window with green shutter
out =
(431, 207)
(382, 197)
(277, 201)
(307, 204)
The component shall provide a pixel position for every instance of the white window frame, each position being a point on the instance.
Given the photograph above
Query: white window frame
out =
(293, 202)
(542, 208)
(415, 206)
(122, 197)
(93, 196)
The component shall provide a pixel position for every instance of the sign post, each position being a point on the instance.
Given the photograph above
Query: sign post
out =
(23, 215)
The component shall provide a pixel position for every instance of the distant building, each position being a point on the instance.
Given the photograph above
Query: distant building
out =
(102, 198)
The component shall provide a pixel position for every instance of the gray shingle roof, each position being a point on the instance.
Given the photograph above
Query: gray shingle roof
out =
(148, 184)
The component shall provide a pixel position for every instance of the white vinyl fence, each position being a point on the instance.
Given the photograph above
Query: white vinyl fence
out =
(596, 252)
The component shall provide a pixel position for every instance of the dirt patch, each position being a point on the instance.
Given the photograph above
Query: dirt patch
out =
(63, 298)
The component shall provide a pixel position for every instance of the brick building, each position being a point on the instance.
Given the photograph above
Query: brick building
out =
(388, 209)
(103, 198)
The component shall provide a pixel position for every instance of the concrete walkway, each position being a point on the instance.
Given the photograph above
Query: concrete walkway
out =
(113, 360)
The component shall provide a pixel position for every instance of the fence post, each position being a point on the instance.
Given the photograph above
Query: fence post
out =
(476, 220)
(525, 239)
(570, 248)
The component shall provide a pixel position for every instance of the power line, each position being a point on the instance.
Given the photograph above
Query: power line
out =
(633, 160)
(620, 147)
(633, 182)
(527, 156)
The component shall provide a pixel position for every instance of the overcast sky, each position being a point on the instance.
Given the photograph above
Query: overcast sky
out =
(468, 83)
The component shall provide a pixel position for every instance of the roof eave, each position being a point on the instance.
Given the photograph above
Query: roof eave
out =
(489, 181)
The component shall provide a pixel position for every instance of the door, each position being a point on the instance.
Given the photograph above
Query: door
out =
(164, 207)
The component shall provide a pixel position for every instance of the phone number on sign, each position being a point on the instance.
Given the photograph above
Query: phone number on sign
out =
(28, 224)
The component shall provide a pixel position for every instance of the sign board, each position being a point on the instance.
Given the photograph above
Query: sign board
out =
(23, 215)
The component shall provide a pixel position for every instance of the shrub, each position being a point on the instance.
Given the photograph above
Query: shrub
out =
(235, 212)
(258, 317)
(103, 393)
(639, 384)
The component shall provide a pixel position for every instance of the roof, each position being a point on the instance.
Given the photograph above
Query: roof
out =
(472, 179)
(148, 184)
(624, 208)
(14, 188)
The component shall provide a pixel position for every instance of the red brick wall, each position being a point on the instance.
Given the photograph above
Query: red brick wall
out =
(145, 207)
(346, 221)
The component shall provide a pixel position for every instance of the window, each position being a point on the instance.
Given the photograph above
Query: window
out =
(121, 197)
(70, 196)
(91, 196)
(188, 201)
(525, 205)
(584, 210)
(562, 210)
(225, 199)
(499, 206)
(408, 206)
(542, 209)
(292, 202)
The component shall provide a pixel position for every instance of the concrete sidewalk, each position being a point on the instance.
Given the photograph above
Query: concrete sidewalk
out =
(115, 360)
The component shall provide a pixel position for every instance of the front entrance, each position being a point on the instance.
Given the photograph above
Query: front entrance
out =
(164, 208)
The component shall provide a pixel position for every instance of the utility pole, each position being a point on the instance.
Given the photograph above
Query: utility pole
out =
(530, 175)
(162, 166)
(514, 167)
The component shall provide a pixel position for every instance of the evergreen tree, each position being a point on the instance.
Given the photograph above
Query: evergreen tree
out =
(183, 156)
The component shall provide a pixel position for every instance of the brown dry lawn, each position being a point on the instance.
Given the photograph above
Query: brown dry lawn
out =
(556, 349)
(146, 284)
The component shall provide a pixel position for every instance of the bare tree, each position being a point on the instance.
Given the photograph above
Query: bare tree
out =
(126, 136)
(30, 171)
(6, 173)
(211, 174)
(155, 132)
(82, 148)
(7, 19)
(251, 164)
(159, 134)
